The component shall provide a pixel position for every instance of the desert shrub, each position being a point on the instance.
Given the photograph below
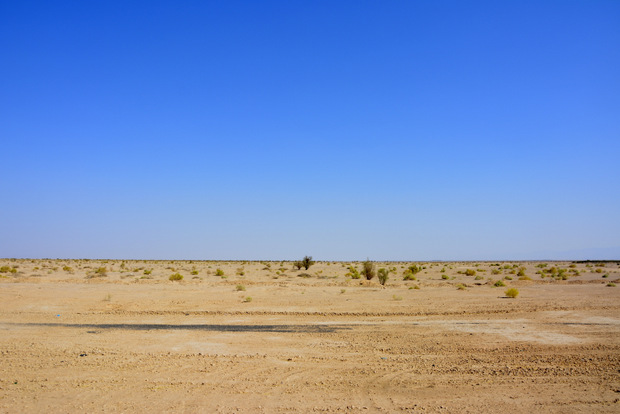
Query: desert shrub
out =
(353, 273)
(511, 293)
(526, 277)
(247, 299)
(445, 277)
(383, 275)
(411, 271)
(470, 272)
(175, 276)
(194, 272)
(496, 271)
(508, 278)
(67, 268)
(101, 270)
(478, 277)
(306, 262)
(219, 272)
(368, 270)
(5, 269)
(521, 271)
(605, 276)
(499, 283)
(147, 271)
(304, 275)
(599, 270)
(241, 271)
(460, 286)
(396, 297)
(611, 284)
(240, 288)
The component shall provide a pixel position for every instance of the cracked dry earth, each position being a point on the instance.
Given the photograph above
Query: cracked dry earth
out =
(74, 345)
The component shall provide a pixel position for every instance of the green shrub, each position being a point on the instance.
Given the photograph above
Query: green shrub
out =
(147, 271)
(383, 275)
(411, 271)
(240, 288)
(526, 277)
(460, 286)
(499, 283)
(445, 277)
(67, 268)
(368, 270)
(470, 272)
(219, 272)
(306, 262)
(478, 277)
(353, 273)
(611, 284)
(511, 293)
(175, 276)
(247, 299)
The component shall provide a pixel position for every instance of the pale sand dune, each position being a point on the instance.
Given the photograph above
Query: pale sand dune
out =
(76, 341)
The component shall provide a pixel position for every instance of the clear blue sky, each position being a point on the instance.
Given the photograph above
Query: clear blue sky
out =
(416, 130)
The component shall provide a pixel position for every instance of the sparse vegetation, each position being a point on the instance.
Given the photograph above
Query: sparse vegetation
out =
(306, 262)
(368, 270)
(411, 271)
(240, 288)
(511, 293)
(499, 283)
(219, 272)
(353, 273)
(383, 275)
(175, 276)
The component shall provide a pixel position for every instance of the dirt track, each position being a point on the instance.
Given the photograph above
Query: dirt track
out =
(74, 342)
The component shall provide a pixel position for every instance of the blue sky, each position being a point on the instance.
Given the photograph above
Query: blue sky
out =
(413, 130)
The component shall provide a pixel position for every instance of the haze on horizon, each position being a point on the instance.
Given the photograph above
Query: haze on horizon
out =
(344, 130)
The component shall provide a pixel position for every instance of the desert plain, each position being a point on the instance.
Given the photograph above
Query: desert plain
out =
(265, 337)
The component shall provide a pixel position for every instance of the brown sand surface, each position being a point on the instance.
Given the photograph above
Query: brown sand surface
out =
(118, 340)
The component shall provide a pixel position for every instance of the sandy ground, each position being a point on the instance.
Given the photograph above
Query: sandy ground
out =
(263, 337)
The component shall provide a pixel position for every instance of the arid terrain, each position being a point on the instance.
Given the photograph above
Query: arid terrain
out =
(120, 336)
